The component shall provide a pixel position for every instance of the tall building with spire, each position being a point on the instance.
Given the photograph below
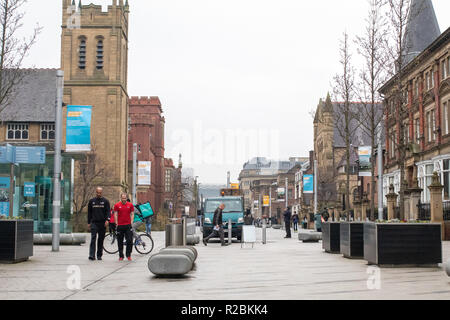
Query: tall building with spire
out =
(94, 57)
(426, 124)
(422, 28)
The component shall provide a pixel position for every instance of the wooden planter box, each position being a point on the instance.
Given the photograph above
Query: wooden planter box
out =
(16, 240)
(331, 237)
(352, 240)
(402, 244)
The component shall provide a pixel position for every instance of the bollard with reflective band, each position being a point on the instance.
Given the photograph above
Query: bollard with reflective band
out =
(230, 232)
(264, 235)
(184, 222)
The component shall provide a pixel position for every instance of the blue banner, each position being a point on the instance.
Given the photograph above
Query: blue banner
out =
(7, 154)
(78, 133)
(308, 183)
(4, 195)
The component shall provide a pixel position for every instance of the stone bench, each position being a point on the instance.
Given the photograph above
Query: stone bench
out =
(187, 247)
(277, 226)
(71, 239)
(179, 250)
(165, 264)
(310, 236)
(192, 239)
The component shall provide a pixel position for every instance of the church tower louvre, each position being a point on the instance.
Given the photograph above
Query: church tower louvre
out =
(94, 58)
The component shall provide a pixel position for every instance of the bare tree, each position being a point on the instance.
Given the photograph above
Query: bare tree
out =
(372, 77)
(90, 175)
(345, 115)
(12, 49)
(399, 13)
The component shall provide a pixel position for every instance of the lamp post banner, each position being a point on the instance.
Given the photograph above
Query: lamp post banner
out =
(308, 183)
(365, 165)
(78, 135)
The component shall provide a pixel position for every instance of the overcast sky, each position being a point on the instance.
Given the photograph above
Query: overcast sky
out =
(228, 67)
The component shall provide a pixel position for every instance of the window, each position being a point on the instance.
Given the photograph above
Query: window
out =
(431, 126)
(406, 137)
(425, 182)
(100, 54)
(392, 144)
(82, 54)
(443, 69)
(446, 174)
(416, 88)
(417, 129)
(17, 131)
(168, 181)
(432, 79)
(47, 131)
(427, 81)
(446, 114)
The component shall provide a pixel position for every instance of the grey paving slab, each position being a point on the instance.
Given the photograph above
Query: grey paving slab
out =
(281, 269)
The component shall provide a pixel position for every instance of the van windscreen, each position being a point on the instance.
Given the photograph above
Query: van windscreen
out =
(230, 205)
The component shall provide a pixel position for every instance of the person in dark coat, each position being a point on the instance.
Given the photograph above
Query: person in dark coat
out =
(98, 215)
(218, 226)
(287, 221)
(295, 220)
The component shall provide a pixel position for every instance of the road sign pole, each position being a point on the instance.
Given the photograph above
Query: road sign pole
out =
(134, 172)
(56, 222)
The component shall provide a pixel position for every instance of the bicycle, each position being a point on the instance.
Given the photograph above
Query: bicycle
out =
(143, 243)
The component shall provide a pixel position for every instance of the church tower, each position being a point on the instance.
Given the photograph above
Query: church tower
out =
(94, 57)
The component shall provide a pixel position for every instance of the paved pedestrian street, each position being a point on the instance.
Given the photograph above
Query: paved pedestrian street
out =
(282, 269)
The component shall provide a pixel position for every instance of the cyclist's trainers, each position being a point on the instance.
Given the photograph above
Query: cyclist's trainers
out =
(129, 259)
(120, 259)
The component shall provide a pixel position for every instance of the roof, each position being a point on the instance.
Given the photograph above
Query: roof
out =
(269, 167)
(34, 98)
(422, 29)
(360, 136)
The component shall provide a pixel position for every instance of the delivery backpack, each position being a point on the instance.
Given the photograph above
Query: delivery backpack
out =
(145, 209)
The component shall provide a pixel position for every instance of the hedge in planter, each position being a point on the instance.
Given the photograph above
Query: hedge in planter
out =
(352, 239)
(16, 240)
(331, 237)
(402, 243)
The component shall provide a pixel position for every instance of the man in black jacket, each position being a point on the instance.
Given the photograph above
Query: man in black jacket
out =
(98, 214)
(218, 226)
(287, 222)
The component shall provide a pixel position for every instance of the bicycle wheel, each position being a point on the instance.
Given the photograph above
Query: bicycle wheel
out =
(144, 244)
(110, 244)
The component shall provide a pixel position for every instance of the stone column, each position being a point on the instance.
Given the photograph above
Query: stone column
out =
(356, 209)
(437, 211)
(414, 198)
(364, 206)
(391, 202)
(407, 201)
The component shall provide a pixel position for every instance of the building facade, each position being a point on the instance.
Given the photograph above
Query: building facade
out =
(426, 86)
(94, 58)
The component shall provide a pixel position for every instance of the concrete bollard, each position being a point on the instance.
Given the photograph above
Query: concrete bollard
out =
(170, 264)
(264, 233)
(230, 232)
(447, 267)
(189, 253)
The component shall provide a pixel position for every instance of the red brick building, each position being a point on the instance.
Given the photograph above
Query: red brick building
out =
(146, 129)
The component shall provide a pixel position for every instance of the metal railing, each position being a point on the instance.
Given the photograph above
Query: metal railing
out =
(446, 207)
(424, 211)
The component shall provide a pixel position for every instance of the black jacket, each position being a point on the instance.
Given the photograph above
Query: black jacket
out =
(287, 216)
(217, 220)
(98, 210)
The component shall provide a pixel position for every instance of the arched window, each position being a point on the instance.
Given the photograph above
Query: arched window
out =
(99, 54)
(82, 54)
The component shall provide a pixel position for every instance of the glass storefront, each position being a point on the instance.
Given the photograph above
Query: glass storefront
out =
(33, 194)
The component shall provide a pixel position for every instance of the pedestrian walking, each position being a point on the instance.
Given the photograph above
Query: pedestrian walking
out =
(218, 226)
(287, 221)
(98, 214)
(318, 222)
(123, 216)
(248, 219)
(295, 220)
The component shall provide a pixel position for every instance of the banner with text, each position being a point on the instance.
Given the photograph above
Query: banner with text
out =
(144, 173)
(308, 183)
(365, 165)
(78, 133)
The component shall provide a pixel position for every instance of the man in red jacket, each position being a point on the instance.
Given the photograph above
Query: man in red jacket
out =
(123, 216)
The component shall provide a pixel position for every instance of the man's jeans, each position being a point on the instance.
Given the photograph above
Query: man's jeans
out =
(288, 228)
(215, 234)
(97, 228)
(125, 232)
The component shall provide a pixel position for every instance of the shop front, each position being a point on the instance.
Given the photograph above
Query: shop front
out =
(33, 193)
